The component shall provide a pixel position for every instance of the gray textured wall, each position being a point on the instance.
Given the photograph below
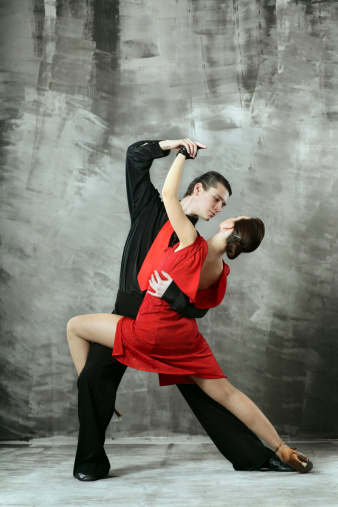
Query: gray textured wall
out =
(257, 82)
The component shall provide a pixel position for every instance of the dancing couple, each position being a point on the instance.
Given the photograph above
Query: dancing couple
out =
(164, 336)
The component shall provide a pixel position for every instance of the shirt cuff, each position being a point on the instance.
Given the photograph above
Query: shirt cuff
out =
(157, 151)
(171, 293)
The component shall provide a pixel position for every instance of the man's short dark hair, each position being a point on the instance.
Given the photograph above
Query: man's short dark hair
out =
(209, 180)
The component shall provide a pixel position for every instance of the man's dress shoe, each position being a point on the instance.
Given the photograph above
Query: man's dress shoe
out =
(275, 464)
(88, 477)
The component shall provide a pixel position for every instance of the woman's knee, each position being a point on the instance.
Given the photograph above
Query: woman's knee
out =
(72, 327)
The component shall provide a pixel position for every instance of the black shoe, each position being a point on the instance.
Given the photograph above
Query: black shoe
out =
(88, 477)
(275, 464)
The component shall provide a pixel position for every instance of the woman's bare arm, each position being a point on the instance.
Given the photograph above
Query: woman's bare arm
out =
(184, 229)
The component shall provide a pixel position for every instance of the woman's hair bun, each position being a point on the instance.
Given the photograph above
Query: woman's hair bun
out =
(233, 250)
(246, 237)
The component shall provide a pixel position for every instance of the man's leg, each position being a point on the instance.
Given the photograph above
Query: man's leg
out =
(97, 384)
(233, 439)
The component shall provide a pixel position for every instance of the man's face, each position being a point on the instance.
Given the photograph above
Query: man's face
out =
(209, 202)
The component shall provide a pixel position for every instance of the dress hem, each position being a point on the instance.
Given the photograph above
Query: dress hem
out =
(177, 376)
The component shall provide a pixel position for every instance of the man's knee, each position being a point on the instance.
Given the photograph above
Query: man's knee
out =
(105, 373)
(90, 376)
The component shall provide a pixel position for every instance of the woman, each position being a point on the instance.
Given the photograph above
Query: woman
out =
(161, 340)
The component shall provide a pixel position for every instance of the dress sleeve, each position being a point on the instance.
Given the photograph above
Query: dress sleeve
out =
(187, 268)
(213, 295)
(139, 159)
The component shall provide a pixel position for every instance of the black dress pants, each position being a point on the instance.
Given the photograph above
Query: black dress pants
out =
(97, 386)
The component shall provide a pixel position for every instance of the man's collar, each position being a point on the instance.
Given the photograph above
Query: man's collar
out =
(193, 220)
(174, 239)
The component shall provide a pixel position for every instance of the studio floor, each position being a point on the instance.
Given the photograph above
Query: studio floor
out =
(155, 472)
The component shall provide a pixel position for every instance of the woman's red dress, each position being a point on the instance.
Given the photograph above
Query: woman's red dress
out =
(160, 340)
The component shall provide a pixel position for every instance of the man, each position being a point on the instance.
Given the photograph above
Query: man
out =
(100, 378)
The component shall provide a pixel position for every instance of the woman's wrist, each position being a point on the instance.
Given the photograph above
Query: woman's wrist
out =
(183, 151)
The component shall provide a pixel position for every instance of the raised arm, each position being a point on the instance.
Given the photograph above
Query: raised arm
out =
(184, 229)
(139, 159)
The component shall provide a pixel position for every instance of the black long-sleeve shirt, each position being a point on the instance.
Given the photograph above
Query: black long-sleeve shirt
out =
(148, 215)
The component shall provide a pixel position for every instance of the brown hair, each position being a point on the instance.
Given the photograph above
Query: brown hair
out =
(246, 237)
(209, 180)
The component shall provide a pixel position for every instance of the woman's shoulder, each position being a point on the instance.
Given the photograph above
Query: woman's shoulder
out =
(199, 246)
(194, 247)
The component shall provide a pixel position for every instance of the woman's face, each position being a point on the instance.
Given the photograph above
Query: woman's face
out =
(229, 223)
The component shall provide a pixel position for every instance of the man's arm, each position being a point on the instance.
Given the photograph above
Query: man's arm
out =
(139, 159)
(180, 303)
(165, 288)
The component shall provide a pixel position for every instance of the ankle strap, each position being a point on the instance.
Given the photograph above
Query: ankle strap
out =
(280, 445)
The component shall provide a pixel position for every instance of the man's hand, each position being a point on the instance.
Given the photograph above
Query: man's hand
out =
(159, 285)
(176, 144)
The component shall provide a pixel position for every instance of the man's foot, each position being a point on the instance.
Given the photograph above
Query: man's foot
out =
(88, 477)
(275, 464)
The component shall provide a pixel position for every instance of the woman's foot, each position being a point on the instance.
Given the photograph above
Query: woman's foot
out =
(295, 459)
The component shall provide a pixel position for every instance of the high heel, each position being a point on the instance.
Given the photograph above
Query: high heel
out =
(297, 460)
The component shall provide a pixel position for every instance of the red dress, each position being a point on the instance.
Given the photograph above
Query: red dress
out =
(160, 340)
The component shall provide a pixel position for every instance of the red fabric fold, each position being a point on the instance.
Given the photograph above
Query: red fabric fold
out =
(187, 270)
(213, 295)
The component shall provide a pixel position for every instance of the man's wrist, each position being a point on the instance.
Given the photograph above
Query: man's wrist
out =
(171, 293)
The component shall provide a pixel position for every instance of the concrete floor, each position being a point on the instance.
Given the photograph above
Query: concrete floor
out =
(155, 472)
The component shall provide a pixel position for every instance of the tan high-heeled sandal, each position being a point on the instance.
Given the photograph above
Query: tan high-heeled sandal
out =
(297, 460)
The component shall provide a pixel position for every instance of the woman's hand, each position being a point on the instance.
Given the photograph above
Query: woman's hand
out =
(176, 144)
(159, 285)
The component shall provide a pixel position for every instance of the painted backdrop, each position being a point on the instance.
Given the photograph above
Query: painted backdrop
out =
(254, 80)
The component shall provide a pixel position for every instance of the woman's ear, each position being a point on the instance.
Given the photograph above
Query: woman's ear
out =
(197, 189)
(229, 227)
(228, 230)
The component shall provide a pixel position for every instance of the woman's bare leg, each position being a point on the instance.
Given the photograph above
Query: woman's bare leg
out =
(84, 329)
(242, 407)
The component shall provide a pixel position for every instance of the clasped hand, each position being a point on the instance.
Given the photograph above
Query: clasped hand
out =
(158, 285)
(176, 144)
